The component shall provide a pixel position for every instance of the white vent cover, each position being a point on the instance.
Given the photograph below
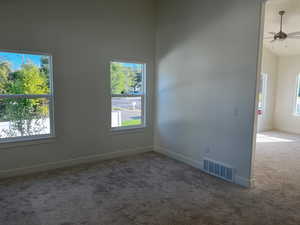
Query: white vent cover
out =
(218, 169)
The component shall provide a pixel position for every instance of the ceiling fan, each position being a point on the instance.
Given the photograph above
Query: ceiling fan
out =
(281, 36)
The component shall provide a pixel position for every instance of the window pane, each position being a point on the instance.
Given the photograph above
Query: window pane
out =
(126, 78)
(126, 111)
(262, 93)
(24, 73)
(298, 97)
(24, 117)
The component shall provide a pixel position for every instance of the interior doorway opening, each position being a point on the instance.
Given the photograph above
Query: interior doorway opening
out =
(277, 137)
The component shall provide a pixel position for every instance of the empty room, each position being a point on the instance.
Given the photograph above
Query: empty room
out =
(153, 112)
(277, 153)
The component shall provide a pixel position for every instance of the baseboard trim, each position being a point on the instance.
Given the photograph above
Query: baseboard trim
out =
(242, 181)
(179, 157)
(101, 157)
(198, 164)
(288, 131)
(72, 162)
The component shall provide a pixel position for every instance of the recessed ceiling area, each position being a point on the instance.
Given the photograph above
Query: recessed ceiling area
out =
(291, 23)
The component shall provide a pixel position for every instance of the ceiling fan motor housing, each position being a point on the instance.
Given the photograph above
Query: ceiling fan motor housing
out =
(281, 13)
(281, 36)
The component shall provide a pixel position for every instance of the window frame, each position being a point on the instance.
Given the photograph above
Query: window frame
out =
(49, 97)
(143, 96)
(264, 78)
(297, 89)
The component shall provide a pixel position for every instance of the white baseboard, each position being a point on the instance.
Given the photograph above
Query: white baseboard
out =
(288, 131)
(198, 164)
(72, 162)
(243, 182)
(100, 157)
(179, 157)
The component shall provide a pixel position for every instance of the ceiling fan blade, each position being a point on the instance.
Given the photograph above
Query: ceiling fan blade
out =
(272, 41)
(294, 33)
(268, 37)
(293, 37)
(272, 33)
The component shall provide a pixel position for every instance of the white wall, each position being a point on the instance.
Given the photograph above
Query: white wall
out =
(206, 80)
(285, 120)
(82, 36)
(206, 75)
(269, 67)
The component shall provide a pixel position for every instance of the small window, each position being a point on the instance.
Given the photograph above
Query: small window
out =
(297, 105)
(262, 92)
(127, 94)
(26, 96)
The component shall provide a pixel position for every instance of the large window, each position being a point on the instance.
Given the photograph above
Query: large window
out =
(262, 93)
(297, 105)
(26, 96)
(127, 94)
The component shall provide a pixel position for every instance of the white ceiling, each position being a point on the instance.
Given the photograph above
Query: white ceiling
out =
(291, 23)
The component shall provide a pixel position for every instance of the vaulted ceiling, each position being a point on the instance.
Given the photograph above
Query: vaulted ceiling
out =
(291, 23)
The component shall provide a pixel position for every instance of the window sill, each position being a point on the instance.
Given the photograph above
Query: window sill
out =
(127, 130)
(19, 142)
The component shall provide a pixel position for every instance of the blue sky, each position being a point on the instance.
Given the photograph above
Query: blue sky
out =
(17, 59)
(133, 65)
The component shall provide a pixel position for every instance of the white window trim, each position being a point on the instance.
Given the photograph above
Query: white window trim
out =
(264, 92)
(295, 113)
(33, 139)
(143, 98)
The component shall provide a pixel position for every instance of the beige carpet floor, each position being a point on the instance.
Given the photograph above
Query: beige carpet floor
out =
(151, 189)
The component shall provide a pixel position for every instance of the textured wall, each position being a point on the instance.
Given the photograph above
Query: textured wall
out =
(206, 74)
(206, 80)
(82, 36)
(288, 70)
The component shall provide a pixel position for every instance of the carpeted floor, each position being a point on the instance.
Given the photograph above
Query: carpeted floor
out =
(151, 189)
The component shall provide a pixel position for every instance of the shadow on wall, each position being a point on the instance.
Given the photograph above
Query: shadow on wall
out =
(185, 36)
(197, 20)
(206, 79)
